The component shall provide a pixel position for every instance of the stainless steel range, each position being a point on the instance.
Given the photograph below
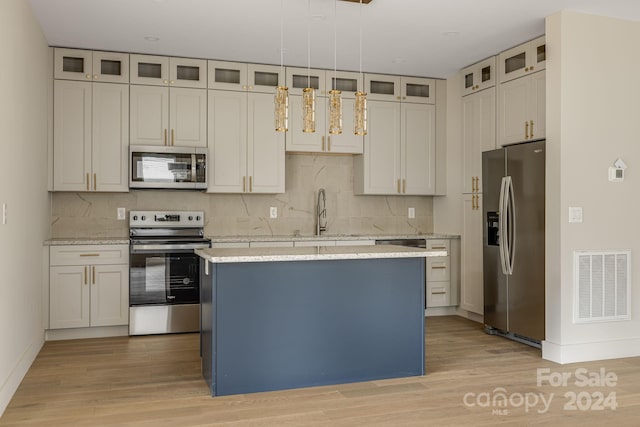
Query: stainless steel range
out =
(164, 274)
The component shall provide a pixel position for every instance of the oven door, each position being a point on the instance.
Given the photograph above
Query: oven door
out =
(162, 275)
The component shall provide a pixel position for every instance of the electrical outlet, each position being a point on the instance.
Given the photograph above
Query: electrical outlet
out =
(412, 212)
(122, 214)
(4, 213)
(273, 212)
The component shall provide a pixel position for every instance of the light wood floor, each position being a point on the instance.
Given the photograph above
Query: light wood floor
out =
(155, 381)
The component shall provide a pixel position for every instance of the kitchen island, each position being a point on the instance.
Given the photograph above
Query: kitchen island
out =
(279, 318)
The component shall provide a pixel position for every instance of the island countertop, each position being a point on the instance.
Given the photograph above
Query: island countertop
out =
(217, 255)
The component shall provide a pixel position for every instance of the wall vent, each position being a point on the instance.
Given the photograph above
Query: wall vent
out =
(601, 286)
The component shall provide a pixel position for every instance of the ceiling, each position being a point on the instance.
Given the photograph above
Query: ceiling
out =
(431, 38)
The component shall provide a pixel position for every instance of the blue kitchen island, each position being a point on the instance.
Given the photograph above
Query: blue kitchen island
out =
(280, 318)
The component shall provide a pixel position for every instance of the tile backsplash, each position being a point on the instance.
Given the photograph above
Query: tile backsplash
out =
(94, 214)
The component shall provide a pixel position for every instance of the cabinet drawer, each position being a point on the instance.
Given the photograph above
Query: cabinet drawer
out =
(89, 254)
(438, 269)
(438, 245)
(438, 294)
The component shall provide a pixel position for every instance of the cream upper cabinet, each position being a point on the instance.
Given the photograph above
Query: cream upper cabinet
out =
(472, 292)
(479, 76)
(246, 154)
(524, 59)
(87, 65)
(399, 149)
(395, 88)
(240, 76)
(297, 79)
(521, 109)
(168, 116)
(478, 135)
(168, 71)
(345, 81)
(89, 286)
(321, 141)
(91, 128)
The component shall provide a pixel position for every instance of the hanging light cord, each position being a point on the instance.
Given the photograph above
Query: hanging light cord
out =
(309, 45)
(360, 36)
(281, 34)
(335, 19)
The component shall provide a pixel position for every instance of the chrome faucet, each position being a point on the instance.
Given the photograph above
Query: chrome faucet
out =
(321, 212)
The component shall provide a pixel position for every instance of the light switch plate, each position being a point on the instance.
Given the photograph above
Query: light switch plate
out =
(122, 214)
(575, 214)
(273, 212)
(412, 212)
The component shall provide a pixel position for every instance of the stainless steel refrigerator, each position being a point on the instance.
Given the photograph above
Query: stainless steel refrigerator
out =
(513, 180)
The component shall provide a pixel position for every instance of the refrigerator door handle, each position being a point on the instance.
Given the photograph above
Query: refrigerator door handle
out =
(502, 229)
(511, 221)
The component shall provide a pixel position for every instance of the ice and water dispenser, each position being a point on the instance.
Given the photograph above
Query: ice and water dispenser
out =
(493, 236)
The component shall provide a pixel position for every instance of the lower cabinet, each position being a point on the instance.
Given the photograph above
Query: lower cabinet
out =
(89, 286)
(442, 288)
(472, 293)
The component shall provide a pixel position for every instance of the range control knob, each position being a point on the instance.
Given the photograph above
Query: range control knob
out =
(198, 218)
(190, 218)
(143, 217)
(135, 217)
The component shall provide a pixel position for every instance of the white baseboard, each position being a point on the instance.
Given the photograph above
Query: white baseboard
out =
(9, 387)
(440, 311)
(82, 333)
(587, 352)
(470, 315)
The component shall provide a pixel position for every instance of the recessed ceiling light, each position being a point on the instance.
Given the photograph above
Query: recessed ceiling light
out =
(317, 17)
(398, 60)
(451, 33)
(151, 38)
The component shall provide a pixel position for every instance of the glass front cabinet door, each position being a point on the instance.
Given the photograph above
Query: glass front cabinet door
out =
(521, 60)
(479, 76)
(87, 65)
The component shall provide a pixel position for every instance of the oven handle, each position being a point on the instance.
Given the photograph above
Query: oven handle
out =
(169, 248)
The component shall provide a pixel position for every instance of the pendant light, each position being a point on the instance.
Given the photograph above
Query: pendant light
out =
(281, 99)
(335, 98)
(360, 122)
(309, 93)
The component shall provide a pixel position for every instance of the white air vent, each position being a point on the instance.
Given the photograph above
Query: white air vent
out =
(601, 286)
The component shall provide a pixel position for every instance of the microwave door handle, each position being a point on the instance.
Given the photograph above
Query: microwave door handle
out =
(193, 168)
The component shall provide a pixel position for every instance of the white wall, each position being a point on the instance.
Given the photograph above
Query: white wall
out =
(593, 111)
(23, 187)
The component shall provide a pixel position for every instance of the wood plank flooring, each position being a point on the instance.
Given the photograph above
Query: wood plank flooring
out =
(155, 381)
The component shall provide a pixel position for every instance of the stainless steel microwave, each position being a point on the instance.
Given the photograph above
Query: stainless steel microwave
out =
(183, 168)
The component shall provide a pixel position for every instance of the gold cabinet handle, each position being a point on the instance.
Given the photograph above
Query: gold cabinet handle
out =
(531, 68)
(438, 247)
(93, 275)
(173, 82)
(88, 182)
(89, 254)
(173, 137)
(85, 275)
(329, 143)
(165, 137)
(531, 128)
(438, 292)
(95, 77)
(526, 69)
(95, 181)
(244, 184)
(323, 143)
(165, 81)
(398, 186)
(404, 186)
(245, 87)
(477, 184)
(439, 267)
(250, 184)
(526, 130)
(398, 97)
(88, 76)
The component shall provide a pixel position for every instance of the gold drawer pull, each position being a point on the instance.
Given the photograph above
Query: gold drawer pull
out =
(95, 181)
(404, 185)
(251, 184)
(439, 293)
(165, 137)
(173, 141)
(88, 182)
(93, 278)
(438, 266)
(399, 186)
(328, 143)
(85, 275)
(244, 184)
(439, 247)
(89, 254)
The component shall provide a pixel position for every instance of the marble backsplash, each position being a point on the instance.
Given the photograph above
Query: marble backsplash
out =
(94, 214)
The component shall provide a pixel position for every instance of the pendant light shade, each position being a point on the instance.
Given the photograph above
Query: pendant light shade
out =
(308, 110)
(281, 99)
(335, 112)
(282, 109)
(360, 113)
(360, 122)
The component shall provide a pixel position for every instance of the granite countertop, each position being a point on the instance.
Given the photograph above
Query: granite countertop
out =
(226, 239)
(314, 253)
(58, 241)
